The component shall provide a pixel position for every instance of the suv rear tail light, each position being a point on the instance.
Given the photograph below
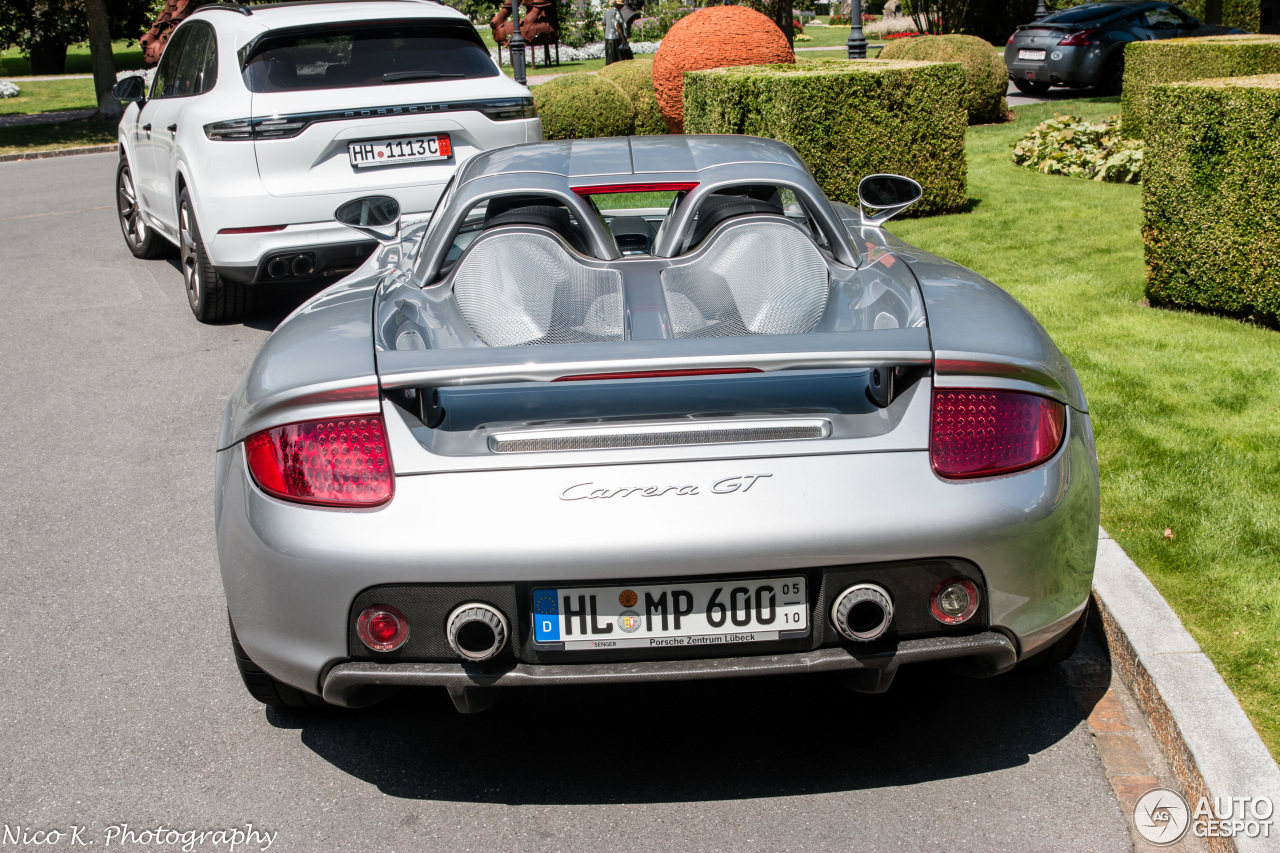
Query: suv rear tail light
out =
(1080, 39)
(1011, 37)
(508, 110)
(980, 433)
(333, 462)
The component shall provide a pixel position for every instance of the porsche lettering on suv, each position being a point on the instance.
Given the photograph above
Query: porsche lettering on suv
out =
(261, 120)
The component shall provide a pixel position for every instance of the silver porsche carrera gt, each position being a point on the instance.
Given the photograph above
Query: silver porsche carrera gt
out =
(650, 409)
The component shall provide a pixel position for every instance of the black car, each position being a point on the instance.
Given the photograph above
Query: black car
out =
(1084, 45)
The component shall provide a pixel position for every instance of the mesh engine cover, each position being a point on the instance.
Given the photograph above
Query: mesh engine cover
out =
(759, 278)
(528, 289)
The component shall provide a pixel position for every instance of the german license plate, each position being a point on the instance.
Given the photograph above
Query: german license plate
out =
(394, 152)
(1034, 55)
(655, 616)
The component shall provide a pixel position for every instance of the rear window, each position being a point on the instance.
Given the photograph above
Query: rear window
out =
(1081, 14)
(343, 56)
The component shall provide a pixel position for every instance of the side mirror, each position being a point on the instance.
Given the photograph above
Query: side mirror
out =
(130, 89)
(885, 196)
(377, 216)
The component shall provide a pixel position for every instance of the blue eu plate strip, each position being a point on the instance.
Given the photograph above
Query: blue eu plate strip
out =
(546, 615)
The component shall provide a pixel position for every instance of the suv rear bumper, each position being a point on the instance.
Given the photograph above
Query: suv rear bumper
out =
(326, 262)
(357, 683)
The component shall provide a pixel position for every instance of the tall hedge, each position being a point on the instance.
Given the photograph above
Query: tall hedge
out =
(1150, 63)
(984, 70)
(1211, 196)
(847, 119)
(582, 106)
(635, 78)
(1244, 14)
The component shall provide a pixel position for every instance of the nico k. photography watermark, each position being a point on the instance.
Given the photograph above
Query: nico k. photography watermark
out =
(161, 837)
(1164, 817)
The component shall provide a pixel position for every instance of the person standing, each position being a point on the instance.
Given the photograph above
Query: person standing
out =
(616, 46)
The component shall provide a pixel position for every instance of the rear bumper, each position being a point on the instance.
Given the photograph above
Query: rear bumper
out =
(292, 573)
(352, 684)
(328, 261)
(1078, 66)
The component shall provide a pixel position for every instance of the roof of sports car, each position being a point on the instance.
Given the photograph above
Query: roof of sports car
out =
(630, 156)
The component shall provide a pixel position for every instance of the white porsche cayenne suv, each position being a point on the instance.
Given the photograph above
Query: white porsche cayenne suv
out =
(262, 120)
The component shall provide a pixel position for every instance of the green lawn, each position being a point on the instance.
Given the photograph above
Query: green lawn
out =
(127, 57)
(42, 96)
(63, 134)
(1184, 405)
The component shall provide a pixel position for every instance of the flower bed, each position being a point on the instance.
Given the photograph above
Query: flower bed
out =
(8, 89)
(1068, 145)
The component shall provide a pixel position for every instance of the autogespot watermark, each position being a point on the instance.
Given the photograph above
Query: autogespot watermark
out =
(1163, 817)
(160, 837)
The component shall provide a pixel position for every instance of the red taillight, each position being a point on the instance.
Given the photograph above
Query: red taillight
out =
(1010, 41)
(978, 433)
(656, 374)
(609, 189)
(256, 229)
(1080, 39)
(334, 462)
(382, 628)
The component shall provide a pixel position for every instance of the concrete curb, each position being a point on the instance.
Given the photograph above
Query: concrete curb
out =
(1210, 743)
(57, 152)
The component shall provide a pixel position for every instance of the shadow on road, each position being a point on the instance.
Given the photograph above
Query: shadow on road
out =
(713, 740)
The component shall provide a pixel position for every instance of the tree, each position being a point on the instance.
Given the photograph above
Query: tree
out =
(43, 29)
(101, 58)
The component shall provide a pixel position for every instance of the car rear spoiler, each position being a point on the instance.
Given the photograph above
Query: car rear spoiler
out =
(485, 366)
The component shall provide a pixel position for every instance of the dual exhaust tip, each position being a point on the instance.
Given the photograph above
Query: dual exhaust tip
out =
(283, 266)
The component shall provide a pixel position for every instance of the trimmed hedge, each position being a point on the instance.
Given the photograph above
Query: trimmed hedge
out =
(984, 70)
(635, 78)
(847, 119)
(1150, 63)
(1211, 196)
(582, 106)
(1244, 14)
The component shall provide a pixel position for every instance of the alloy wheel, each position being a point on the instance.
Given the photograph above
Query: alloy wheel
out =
(189, 257)
(135, 230)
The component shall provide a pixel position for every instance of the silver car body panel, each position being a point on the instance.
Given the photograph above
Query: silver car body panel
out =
(861, 491)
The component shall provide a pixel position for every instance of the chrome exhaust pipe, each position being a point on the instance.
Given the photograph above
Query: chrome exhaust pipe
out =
(303, 265)
(476, 631)
(862, 612)
(278, 267)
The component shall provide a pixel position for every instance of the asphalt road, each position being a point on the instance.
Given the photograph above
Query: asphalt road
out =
(120, 703)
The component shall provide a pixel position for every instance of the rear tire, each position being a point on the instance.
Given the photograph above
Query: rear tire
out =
(1112, 79)
(1030, 87)
(266, 689)
(141, 238)
(212, 298)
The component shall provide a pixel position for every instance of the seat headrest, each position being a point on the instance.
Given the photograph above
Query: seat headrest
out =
(716, 208)
(555, 218)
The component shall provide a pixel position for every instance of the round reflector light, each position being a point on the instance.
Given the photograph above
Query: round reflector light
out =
(382, 628)
(954, 601)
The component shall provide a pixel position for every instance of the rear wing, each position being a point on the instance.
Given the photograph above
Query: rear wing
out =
(811, 351)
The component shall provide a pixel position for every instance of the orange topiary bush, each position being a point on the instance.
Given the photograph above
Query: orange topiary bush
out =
(716, 37)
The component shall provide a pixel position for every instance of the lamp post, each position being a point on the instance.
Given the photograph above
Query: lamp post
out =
(1041, 9)
(516, 44)
(857, 43)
